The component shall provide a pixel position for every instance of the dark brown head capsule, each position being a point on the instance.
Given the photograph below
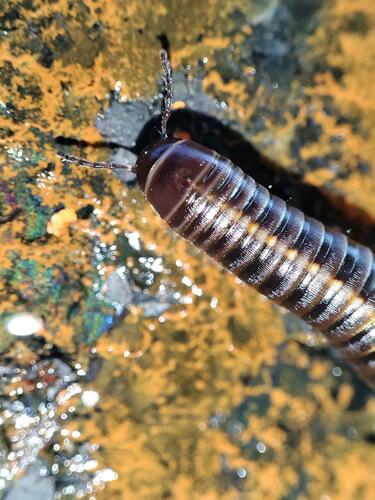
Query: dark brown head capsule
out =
(168, 169)
(294, 260)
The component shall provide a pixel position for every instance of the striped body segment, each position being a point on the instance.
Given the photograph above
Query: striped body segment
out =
(317, 274)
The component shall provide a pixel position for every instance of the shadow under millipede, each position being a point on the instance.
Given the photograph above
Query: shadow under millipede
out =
(331, 209)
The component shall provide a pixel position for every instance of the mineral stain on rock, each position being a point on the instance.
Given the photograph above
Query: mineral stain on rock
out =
(189, 384)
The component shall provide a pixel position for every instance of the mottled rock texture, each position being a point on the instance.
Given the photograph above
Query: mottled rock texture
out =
(223, 395)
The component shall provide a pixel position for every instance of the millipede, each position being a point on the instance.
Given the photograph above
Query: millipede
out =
(316, 273)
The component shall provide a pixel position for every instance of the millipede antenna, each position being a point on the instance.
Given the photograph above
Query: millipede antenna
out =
(95, 164)
(168, 92)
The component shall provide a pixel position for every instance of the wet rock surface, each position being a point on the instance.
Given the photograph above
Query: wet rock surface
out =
(129, 360)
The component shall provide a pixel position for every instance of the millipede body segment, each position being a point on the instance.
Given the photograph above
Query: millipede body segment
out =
(317, 274)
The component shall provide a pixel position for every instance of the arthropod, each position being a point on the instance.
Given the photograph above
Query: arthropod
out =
(316, 273)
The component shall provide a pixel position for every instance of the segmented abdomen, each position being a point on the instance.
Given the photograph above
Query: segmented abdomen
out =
(292, 259)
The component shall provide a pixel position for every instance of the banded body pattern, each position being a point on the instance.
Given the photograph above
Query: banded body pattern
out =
(294, 260)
